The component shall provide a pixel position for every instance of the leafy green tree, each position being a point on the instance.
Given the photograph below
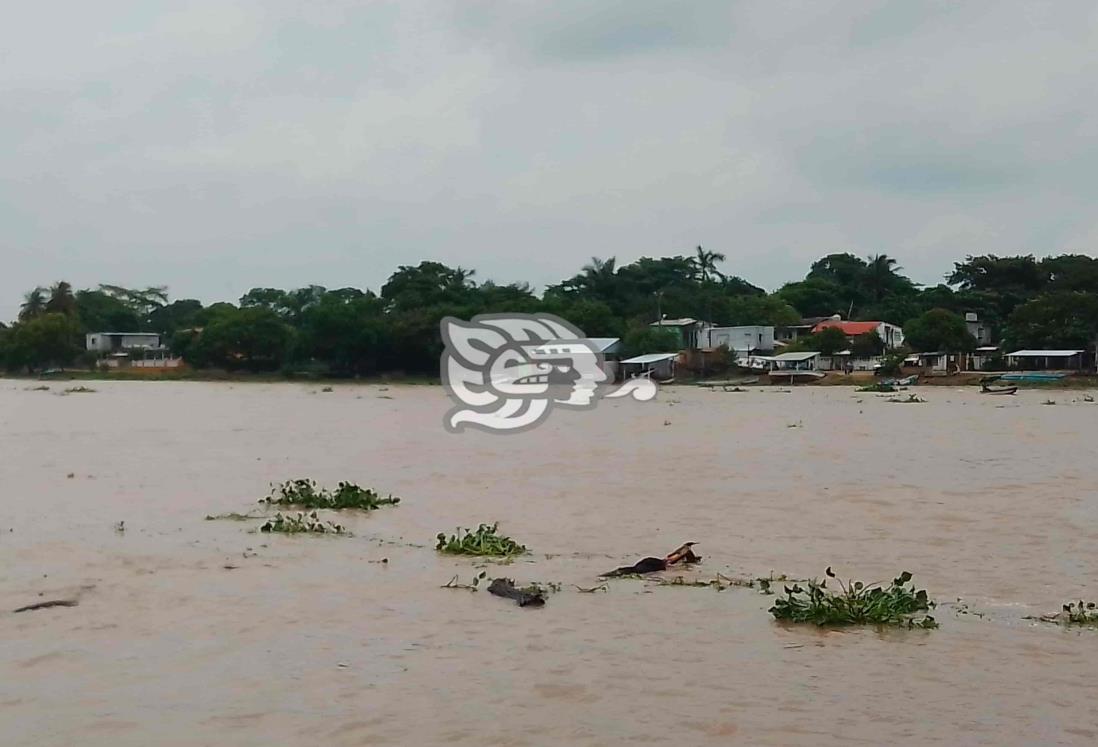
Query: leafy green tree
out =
(735, 311)
(641, 339)
(252, 338)
(1006, 282)
(427, 284)
(47, 340)
(1004, 275)
(593, 317)
(1071, 272)
(867, 345)
(494, 298)
(177, 315)
(1066, 320)
(827, 341)
(214, 311)
(347, 333)
(275, 299)
(814, 297)
(102, 312)
(938, 330)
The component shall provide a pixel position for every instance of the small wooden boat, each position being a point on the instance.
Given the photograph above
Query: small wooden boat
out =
(793, 375)
(985, 389)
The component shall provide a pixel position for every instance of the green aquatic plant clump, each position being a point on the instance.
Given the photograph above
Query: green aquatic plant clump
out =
(301, 523)
(1074, 613)
(856, 603)
(486, 540)
(306, 494)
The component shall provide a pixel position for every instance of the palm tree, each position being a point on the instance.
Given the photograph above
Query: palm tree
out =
(34, 304)
(598, 275)
(462, 278)
(61, 300)
(880, 274)
(705, 265)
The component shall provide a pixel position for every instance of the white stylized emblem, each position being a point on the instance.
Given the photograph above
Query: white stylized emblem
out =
(505, 372)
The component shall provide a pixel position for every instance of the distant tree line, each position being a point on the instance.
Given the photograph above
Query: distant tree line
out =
(1029, 302)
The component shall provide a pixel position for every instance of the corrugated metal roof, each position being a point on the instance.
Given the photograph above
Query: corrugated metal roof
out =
(683, 322)
(795, 356)
(1043, 353)
(652, 358)
(602, 344)
(127, 334)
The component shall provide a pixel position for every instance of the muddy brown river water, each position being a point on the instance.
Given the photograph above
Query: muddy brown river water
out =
(193, 632)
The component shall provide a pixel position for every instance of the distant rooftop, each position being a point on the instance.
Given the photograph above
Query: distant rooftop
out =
(793, 357)
(683, 322)
(128, 334)
(851, 329)
(1043, 353)
(602, 344)
(652, 358)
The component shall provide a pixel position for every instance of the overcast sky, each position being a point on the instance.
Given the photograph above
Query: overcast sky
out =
(217, 145)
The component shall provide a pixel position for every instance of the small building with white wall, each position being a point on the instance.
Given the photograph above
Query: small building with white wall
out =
(130, 349)
(112, 342)
(744, 340)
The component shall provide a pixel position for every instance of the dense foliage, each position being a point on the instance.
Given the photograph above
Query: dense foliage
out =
(486, 540)
(855, 603)
(307, 494)
(1028, 302)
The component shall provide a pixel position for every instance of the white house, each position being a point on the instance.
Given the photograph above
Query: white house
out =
(742, 340)
(108, 342)
(130, 349)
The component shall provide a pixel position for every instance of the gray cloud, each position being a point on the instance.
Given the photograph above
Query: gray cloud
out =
(233, 144)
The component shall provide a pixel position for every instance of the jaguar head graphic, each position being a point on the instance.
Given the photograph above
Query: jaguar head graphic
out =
(505, 372)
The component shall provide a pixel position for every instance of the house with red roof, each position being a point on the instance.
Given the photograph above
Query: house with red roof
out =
(891, 334)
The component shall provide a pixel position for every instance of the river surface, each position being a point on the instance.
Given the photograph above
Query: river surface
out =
(195, 632)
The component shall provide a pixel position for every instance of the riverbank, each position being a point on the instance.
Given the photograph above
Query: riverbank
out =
(183, 374)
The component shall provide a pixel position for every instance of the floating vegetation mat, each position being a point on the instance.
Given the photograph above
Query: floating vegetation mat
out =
(720, 582)
(301, 523)
(856, 603)
(486, 540)
(307, 494)
(1074, 613)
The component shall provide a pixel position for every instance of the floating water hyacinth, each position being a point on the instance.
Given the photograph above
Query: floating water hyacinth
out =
(306, 494)
(484, 541)
(301, 523)
(856, 603)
